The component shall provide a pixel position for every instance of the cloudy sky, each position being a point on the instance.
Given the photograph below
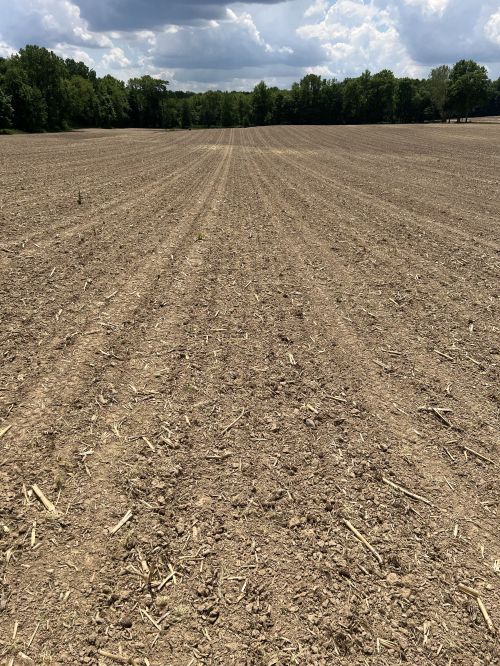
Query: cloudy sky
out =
(201, 44)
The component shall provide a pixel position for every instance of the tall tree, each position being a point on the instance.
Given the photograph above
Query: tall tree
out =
(261, 104)
(279, 110)
(468, 87)
(30, 108)
(6, 110)
(74, 68)
(186, 118)
(146, 94)
(170, 113)
(228, 113)
(243, 109)
(355, 98)
(439, 88)
(406, 100)
(46, 72)
(310, 99)
(40, 91)
(381, 96)
(81, 100)
(114, 94)
(210, 108)
(331, 101)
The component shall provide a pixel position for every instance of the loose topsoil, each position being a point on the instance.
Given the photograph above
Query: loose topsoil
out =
(244, 352)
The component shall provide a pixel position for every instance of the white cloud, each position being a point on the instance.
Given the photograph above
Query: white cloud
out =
(116, 59)
(319, 7)
(492, 28)
(6, 50)
(49, 22)
(74, 52)
(407, 36)
(429, 6)
(358, 36)
(320, 70)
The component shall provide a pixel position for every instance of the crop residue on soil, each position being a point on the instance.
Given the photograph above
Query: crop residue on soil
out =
(249, 397)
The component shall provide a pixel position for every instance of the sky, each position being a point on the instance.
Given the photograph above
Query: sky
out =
(214, 44)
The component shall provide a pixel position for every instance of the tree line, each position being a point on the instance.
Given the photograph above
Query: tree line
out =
(40, 91)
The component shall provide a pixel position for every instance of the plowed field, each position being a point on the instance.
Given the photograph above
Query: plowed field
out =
(244, 352)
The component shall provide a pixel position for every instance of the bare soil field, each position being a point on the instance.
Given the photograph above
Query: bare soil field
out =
(249, 397)
(486, 119)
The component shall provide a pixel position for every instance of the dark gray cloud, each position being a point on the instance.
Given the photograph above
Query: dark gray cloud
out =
(232, 43)
(149, 14)
(233, 78)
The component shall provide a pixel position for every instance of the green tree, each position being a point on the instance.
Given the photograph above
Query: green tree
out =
(261, 104)
(381, 97)
(170, 113)
(228, 112)
(145, 98)
(210, 108)
(45, 72)
(353, 101)
(439, 84)
(114, 94)
(186, 118)
(30, 109)
(406, 100)
(331, 101)
(104, 113)
(294, 103)
(279, 108)
(243, 109)
(468, 87)
(493, 104)
(40, 91)
(81, 100)
(74, 68)
(6, 110)
(309, 103)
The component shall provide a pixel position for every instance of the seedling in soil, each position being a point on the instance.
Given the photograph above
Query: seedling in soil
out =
(80, 201)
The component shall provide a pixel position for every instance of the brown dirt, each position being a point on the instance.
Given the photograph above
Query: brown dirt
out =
(315, 287)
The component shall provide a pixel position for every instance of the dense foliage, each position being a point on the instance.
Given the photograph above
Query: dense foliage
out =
(40, 91)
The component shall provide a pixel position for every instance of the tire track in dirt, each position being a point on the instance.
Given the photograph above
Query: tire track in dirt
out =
(400, 185)
(415, 270)
(366, 295)
(134, 197)
(400, 175)
(144, 277)
(80, 310)
(378, 398)
(460, 376)
(374, 200)
(88, 559)
(210, 474)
